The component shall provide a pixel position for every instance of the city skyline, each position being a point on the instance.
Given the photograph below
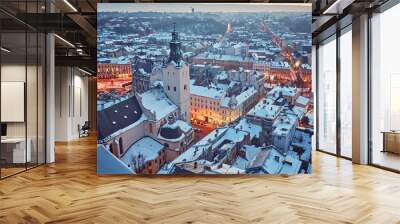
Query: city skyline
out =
(204, 7)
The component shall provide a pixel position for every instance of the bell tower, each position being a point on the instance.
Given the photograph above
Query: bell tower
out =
(176, 78)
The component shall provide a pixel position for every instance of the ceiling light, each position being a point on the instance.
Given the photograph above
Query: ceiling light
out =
(338, 6)
(5, 50)
(84, 71)
(70, 5)
(64, 40)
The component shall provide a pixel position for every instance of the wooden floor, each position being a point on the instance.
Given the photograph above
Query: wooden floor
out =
(386, 159)
(69, 191)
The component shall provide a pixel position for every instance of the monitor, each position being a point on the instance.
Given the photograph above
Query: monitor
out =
(3, 129)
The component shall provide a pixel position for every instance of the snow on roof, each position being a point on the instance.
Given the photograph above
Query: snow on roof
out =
(274, 162)
(299, 111)
(284, 124)
(226, 169)
(284, 90)
(279, 64)
(224, 87)
(156, 101)
(242, 97)
(222, 76)
(184, 126)
(107, 163)
(223, 57)
(232, 134)
(212, 140)
(302, 100)
(147, 147)
(240, 163)
(264, 109)
(246, 125)
(120, 60)
(291, 165)
(207, 92)
(251, 152)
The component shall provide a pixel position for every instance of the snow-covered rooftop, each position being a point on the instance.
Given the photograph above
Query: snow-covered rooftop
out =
(245, 95)
(283, 90)
(203, 91)
(156, 101)
(251, 152)
(265, 110)
(246, 125)
(284, 124)
(146, 147)
(302, 100)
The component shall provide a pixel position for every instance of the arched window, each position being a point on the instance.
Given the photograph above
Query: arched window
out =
(121, 148)
(111, 148)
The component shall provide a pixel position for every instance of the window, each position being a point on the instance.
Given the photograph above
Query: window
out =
(327, 96)
(184, 87)
(385, 88)
(174, 88)
(22, 64)
(121, 146)
(346, 93)
(168, 88)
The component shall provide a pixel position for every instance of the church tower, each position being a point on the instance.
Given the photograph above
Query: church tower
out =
(176, 78)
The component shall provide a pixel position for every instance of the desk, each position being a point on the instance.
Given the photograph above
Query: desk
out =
(13, 150)
(391, 141)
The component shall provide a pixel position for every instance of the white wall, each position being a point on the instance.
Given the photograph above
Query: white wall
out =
(33, 126)
(71, 102)
(12, 73)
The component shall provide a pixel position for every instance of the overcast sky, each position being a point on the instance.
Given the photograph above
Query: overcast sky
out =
(202, 7)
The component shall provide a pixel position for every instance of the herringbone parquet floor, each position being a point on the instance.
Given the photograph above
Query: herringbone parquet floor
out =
(69, 191)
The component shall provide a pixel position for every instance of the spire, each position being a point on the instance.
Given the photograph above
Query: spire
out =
(175, 53)
(174, 35)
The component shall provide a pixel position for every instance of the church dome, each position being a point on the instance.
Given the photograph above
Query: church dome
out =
(170, 131)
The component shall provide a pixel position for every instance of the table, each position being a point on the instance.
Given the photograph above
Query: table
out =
(13, 150)
(391, 141)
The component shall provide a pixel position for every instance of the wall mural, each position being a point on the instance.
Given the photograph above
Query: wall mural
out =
(204, 89)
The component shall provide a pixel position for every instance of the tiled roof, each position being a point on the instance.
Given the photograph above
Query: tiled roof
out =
(117, 117)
